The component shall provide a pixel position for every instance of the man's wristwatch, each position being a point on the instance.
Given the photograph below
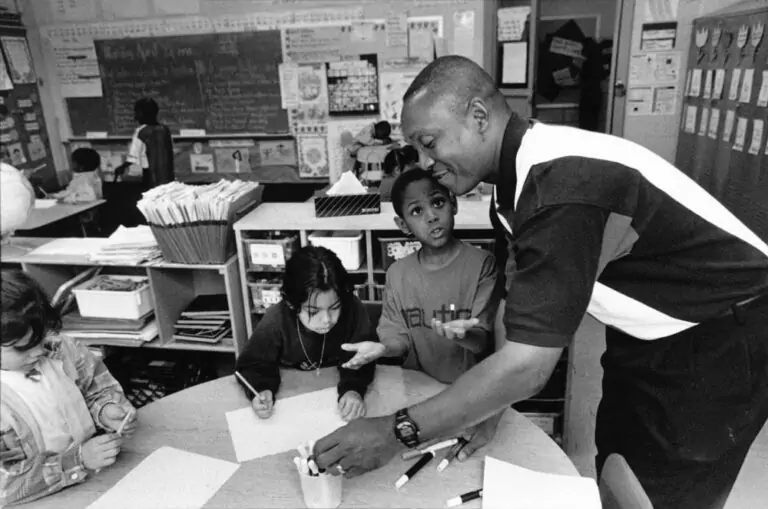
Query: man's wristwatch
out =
(406, 431)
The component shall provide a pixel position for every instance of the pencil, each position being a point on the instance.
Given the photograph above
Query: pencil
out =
(125, 421)
(249, 386)
(415, 453)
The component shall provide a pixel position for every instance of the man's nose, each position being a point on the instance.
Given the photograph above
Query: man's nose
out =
(425, 161)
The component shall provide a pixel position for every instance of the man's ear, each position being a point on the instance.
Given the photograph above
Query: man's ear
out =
(403, 227)
(480, 114)
(454, 204)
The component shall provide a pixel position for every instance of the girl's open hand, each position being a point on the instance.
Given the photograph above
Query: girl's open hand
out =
(351, 406)
(365, 352)
(100, 451)
(264, 404)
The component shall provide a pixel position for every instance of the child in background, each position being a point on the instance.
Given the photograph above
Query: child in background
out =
(399, 160)
(56, 397)
(375, 134)
(85, 185)
(318, 313)
(440, 302)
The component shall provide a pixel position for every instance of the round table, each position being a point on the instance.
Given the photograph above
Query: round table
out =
(194, 420)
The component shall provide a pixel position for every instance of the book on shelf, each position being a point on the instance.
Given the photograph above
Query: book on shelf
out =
(203, 335)
(207, 305)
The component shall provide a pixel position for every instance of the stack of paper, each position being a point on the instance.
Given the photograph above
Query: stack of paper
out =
(178, 203)
(114, 334)
(128, 246)
(507, 486)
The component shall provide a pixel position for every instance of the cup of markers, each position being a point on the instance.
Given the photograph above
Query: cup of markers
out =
(320, 490)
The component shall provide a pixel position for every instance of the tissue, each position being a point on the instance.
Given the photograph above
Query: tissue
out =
(347, 184)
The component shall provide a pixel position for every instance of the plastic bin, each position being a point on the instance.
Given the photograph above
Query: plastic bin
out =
(270, 254)
(114, 304)
(347, 245)
(265, 294)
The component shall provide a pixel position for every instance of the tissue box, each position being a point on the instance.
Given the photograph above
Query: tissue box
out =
(347, 205)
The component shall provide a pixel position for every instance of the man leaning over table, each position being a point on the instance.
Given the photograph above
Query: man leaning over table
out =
(597, 224)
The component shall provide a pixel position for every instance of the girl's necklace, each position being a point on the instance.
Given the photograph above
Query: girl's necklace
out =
(312, 365)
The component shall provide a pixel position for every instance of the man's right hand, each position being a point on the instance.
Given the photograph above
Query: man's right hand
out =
(264, 404)
(365, 352)
(101, 451)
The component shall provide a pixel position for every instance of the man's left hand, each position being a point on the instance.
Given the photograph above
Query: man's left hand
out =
(480, 436)
(360, 446)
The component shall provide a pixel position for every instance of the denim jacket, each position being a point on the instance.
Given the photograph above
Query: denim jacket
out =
(27, 472)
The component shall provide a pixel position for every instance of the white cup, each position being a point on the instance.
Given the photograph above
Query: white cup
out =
(321, 491)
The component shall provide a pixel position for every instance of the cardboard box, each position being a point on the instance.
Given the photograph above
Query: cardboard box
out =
(347, 205)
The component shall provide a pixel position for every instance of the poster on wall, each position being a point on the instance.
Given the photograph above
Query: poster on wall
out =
(73, 10)
(393, 86)
(313, 156)
(353, 86)
(19, 60)
(341, 136)
(5, 78)
(77, 66)
(277, 153)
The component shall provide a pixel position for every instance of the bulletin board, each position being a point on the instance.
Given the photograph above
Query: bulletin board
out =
(23, 136)
(723, 139)
(308, 75)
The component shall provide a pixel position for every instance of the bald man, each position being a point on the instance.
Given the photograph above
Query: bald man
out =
(598, 224)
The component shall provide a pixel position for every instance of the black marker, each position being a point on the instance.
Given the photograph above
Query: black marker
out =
(426, 458)
(463, 499)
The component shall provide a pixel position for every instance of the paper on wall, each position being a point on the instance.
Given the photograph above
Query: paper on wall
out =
(392, 88)
(695, 89)
(422, 31)
(508, 486)
(19, 60)
(714, 123)
(73, 10)
(511, 23)
(733, 91)
(341, 135)
(202, 163)
(168, 478)
(757, 136)
(233, 159)
(77, 66)
(746, 86)
(640, 68)
(514, 66)
(313, 156)
(762, 97)
(397, 34)
(639, 101)
(464, 33)
(277, 153)
(289, 84)
(741, 134)
(123, 9)
(717, 89)
(704, 121)
(255, 438)
(690, 119)
(707, 85)
(665, 100)
(730, 117)
(660, 10)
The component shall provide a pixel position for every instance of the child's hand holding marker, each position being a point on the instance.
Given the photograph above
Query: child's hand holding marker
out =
(117, 419)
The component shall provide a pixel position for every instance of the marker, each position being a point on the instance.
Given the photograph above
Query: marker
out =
(407, 455)
(452, 454)
(125, 421)
(426, 458)
(463, 499)
(249, 386)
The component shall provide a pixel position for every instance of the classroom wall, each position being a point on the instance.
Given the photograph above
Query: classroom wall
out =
(659, 132)
(42, 13)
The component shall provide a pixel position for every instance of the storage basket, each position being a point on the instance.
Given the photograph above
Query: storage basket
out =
(347, 245)
(129, 305)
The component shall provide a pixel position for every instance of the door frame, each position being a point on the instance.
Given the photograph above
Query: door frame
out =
(617, 83)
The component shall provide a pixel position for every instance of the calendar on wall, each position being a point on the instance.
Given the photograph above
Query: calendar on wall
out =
(353, 86)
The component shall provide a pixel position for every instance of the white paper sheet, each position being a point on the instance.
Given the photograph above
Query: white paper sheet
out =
(70, 246)
(464, 33)
(507, 486)
(515, 64)
(168, 478)
(77, 65)
(287, 427)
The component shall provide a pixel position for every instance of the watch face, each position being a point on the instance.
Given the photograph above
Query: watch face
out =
(406, 430)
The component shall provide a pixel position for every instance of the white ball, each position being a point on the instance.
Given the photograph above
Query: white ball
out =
(17, 198)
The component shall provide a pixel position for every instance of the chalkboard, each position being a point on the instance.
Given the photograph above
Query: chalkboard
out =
(223, 83)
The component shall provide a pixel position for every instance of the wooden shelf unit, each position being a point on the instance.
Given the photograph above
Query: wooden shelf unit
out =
(173, 287)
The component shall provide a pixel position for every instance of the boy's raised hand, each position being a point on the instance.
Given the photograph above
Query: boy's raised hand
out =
(101, 451)
(351, 406)
(365, 352)
(264, 404)
(455, 329)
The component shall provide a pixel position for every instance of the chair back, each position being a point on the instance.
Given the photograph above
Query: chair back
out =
(620, 488)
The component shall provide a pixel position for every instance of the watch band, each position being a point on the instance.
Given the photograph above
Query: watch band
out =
(406, 431)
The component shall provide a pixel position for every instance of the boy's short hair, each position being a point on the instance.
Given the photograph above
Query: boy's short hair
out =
(382, 129)
(409, 177)
(86, 159)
